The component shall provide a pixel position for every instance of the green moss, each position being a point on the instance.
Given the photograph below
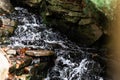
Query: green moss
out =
(105, 6)
(103, 3)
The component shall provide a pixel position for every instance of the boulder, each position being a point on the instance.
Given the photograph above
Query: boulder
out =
(5, 6)
(7, 27)
(8, 22)
(5, 33)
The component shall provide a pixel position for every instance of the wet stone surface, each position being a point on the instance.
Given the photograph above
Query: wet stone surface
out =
(5, 7)
(7, 27)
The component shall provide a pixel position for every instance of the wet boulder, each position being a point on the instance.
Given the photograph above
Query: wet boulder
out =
(5, 33)
(7, 27)
(5, 6)
(8, 22)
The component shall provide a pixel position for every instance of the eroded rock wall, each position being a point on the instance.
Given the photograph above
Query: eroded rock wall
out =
(76, 18)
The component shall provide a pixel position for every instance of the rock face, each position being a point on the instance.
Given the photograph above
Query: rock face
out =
(75, 18)
(79, 19)
(5, 6)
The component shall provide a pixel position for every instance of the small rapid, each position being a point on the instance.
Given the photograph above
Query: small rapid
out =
(72, 62)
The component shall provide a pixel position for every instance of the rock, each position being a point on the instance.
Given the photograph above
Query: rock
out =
(34, 65)
(6, 30)
(89, 33)
(32, 2)
(75, 19)
(4, 66)
(4, 40)
(38, 67)
(22, 77)
(8, 22)
(11, 52)
(5, 6)
(5, 33)
(39, 53)
(85, 21)
(7, 27)
(39, 71)
(24, 62)
(20, 65)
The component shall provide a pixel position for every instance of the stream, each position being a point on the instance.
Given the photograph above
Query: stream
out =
(72, 63)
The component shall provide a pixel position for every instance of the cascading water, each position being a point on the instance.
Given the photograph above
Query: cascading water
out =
(71, 64)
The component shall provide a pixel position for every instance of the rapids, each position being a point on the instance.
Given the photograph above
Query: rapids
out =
(72, 62)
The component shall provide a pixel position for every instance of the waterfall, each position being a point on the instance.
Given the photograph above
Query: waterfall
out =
(72, 63)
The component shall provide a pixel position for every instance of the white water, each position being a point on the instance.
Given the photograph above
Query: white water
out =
(71, 64)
